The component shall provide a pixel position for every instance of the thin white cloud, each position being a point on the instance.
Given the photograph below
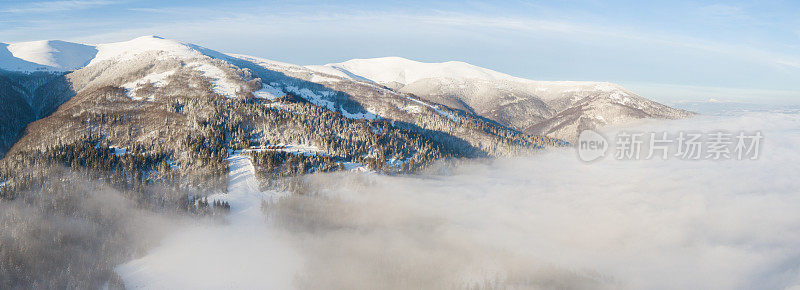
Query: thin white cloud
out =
(57, 6)
(580, 31)
(722, 11)
(575, 31)
(672, 93)
(279, 20)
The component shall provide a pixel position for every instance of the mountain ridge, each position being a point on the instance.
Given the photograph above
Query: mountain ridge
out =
(142, 81)
(148, 68)
(523, 104)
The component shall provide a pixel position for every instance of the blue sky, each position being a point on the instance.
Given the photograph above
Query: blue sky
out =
(669, 51)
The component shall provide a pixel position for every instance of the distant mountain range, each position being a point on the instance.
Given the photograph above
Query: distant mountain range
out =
(557, 109)
(153, 93)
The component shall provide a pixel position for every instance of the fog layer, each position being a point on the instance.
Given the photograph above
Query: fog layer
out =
(543, 221)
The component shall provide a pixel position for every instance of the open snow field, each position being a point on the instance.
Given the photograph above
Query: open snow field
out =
(234, 255)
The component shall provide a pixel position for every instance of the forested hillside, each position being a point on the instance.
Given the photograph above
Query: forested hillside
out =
(151, 123)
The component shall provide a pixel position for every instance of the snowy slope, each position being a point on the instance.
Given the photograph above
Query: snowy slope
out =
(149, 52)
(599, 111)
(245, 253)
(54, 55)
(405, 71)
(45, 55)
(125, 50)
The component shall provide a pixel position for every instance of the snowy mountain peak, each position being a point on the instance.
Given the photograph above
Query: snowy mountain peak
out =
(45, 55)
(129, 49)
(402, 72)
(397, 71)
(405, 71)
(56, 55)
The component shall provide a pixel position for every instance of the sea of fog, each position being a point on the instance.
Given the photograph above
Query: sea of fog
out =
(544, 221)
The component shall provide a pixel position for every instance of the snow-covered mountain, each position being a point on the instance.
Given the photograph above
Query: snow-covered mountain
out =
(557, 109)
(164, 89)
(146, 75)
(45, 55)
(32, 82)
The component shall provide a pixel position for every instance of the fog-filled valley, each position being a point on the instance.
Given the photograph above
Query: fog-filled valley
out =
(551, 221)
(547, 220)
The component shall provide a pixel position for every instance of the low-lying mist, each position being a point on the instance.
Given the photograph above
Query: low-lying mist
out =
(69, 232)
(545, 221)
